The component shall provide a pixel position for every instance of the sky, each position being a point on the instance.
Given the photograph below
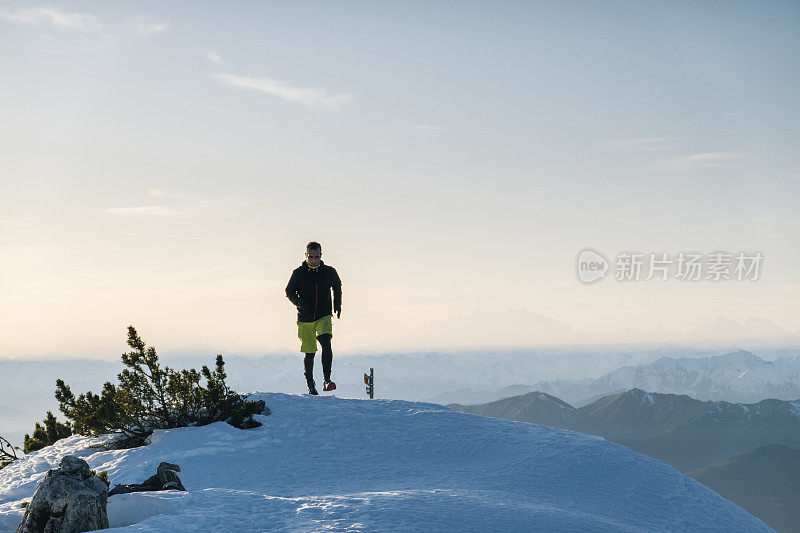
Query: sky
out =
(164, 165)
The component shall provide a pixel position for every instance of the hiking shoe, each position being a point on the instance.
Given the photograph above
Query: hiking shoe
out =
(328, 385)
(312, 389)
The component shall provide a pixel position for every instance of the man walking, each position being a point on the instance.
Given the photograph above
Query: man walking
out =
(309, 289)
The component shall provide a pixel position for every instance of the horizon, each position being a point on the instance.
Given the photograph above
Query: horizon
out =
(624, 339)
(164, 165)
(704, 346)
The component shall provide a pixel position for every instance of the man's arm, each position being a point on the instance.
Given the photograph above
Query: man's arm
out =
(291, 290)
(336, 283)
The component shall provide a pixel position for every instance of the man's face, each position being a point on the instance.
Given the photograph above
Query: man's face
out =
(313, 257)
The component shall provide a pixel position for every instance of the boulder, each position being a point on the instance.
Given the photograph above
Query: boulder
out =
(70, 499)
(165, 479)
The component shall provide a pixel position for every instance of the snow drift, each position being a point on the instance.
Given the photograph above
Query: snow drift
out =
(337, 464)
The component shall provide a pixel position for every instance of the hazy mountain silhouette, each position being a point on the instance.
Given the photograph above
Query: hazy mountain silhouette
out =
(514, 328)
(737, 376)
(725, 328)
(764, 481)
(520, 328)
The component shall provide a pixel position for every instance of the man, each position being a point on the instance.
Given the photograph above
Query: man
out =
(309, 289)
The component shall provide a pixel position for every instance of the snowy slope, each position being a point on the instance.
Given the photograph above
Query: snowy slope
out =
(335, 464)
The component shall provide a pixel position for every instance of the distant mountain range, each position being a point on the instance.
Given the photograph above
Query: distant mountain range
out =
(736, 377)
(721, 443)
(520, 328)
(682, 431)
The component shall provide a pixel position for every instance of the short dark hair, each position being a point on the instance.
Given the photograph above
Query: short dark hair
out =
(314, 245)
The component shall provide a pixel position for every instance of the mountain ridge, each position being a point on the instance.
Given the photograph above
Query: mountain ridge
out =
(684, 432)
(739, 376)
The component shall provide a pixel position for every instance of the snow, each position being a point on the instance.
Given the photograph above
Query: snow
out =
(339, 464)
(649, 398)
(737, 377)
(128, 509)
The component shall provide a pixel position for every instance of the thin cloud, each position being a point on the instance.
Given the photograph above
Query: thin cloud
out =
(51, 17)
(696, 162)
(644, 144)
(146, 211)
(182, 205)
(215, 58)
(147, 25)
(314, 97)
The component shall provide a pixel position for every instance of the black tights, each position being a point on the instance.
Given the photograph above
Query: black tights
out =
(327, 358)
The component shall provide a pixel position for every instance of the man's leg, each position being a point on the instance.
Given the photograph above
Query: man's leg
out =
(327, 355)
(308, 362)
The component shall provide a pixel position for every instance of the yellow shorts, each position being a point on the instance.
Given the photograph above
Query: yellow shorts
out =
(307, 332)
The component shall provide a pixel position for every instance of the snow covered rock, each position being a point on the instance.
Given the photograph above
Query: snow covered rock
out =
(69, 500)
(165, 479)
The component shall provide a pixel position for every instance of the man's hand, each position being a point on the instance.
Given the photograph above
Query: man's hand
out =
(338, 312)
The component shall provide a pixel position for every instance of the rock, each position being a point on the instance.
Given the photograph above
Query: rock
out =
(74, 465)
(165, 479)
(69, 499)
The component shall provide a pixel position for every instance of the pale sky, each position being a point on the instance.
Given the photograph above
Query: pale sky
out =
(163, 164)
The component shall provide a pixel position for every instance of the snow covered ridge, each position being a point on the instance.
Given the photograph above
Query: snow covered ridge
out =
(338, 464)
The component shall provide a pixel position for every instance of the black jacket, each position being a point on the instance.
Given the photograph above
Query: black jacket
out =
(310, 291)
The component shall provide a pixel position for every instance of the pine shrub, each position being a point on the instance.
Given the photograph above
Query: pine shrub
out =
(46, 435)
(150, 397)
